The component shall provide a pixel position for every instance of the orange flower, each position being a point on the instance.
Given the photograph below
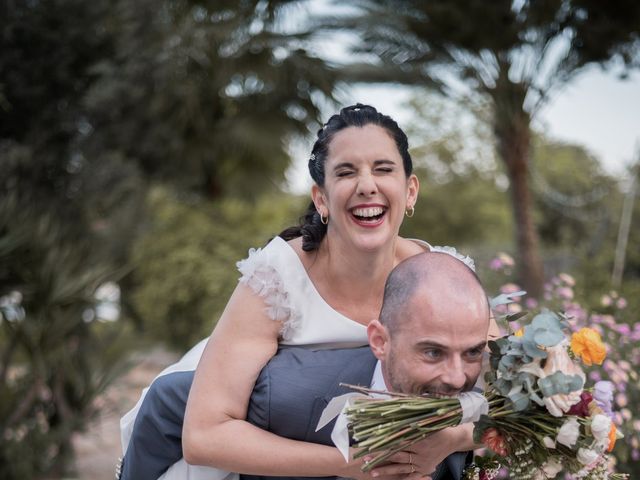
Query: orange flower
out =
(612, 437)
(587, 344)
(519, 333)
(492, 439)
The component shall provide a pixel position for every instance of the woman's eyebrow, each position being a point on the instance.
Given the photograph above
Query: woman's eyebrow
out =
(343, 165)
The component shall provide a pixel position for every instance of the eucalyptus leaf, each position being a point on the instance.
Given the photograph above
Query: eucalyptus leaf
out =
(520, 401)
(548, 338)
(506, 298)
(559, 382)
(532, 350)
(516, 316)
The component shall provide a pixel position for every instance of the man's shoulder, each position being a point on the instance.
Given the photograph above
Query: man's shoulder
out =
(308, 357)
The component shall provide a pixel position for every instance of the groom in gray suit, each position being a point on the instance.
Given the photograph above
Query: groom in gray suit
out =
(430, 338)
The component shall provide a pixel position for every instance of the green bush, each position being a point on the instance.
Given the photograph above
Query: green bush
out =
(185, 262)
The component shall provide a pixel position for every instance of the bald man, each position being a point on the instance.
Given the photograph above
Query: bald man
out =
(430, 338)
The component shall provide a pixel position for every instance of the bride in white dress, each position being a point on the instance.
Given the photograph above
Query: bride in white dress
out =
(317, 285)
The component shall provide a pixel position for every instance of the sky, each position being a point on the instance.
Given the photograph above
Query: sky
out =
(596, 110)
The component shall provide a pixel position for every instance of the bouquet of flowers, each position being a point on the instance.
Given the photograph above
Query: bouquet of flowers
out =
(541, 417)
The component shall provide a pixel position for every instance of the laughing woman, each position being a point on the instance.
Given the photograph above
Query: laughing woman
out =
(316, 285)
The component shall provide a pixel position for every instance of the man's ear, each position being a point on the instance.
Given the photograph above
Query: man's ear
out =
(378, 339)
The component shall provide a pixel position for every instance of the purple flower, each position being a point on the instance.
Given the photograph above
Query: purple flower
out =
(495, 264)
(603, 395)
(623, 329)
(595, 376)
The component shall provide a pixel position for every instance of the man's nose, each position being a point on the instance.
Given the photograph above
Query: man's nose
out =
(454, 374)
(367, 184)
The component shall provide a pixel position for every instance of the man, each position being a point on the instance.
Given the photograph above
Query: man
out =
(430, 338)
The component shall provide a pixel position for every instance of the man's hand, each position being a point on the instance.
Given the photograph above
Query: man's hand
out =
(421, 459)
(395, 471)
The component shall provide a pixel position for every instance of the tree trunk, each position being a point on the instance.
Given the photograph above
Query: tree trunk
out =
(513, 135)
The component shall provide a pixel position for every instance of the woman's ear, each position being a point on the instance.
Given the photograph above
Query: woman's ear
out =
(378, 339)
(319, 200)
(413, 187)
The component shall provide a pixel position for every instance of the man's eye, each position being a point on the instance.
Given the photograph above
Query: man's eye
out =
(344, 173)
(475, 353)
(432, 354)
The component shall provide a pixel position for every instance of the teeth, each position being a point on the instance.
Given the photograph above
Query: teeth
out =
(368, 212)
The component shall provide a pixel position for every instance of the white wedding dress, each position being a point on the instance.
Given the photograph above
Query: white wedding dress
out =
(277, 274)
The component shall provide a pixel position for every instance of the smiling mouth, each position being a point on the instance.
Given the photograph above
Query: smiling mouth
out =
(368, 214)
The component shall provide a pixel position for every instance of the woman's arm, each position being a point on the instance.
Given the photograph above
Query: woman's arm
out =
(215, 431)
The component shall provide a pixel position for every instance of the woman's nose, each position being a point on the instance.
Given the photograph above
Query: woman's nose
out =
(367, 185)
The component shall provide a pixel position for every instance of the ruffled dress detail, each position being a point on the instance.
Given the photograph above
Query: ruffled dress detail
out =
(266, 282)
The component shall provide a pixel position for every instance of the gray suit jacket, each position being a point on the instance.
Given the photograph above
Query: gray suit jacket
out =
(288, 399)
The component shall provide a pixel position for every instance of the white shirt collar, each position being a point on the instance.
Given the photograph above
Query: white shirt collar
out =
(377, 381)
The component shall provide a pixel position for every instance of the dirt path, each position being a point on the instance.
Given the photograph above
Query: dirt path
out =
(98, 449)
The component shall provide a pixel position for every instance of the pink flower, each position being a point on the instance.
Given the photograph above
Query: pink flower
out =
(495, 264)
(567, 279)
(621, 303)
(492, 439)
(510, 288)
(565, 293)
(621, 400)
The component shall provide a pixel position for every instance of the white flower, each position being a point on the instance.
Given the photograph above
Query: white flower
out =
(569, 432)
(600, 427)
(552, 467)
(586, 456)
(549, 442)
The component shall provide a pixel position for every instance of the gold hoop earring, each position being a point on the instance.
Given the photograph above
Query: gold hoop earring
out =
(324, 220)
(410, 211)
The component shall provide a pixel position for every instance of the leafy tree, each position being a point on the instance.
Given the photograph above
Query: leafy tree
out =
(460, 204)
(513, 55)
(204, 94)
(98, 100)
(575, 199)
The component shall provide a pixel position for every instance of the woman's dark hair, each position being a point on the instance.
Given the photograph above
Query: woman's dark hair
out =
(311, 229)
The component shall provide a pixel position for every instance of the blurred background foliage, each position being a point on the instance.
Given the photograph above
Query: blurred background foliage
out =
(146, 146)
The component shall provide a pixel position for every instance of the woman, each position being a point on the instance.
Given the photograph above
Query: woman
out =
(316, 285)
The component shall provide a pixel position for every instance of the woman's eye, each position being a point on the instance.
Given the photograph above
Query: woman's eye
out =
(384, 170)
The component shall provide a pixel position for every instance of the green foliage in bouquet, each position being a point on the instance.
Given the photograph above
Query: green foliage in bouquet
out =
(510, 354)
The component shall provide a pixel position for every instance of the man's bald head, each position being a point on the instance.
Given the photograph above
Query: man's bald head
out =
(433, 326)
(439, 277)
